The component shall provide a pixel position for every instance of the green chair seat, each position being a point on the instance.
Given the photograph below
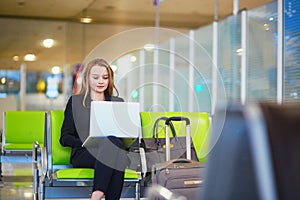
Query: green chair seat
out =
(71, 173)
(88, 173)
(131, 174)
(20, 146)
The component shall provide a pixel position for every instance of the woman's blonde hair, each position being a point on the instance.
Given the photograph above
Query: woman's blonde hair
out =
(85, 89)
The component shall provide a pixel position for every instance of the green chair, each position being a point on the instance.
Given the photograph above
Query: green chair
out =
(57, 178)
(21, 129)
(199, 126)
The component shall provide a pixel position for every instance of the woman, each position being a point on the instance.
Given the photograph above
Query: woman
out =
(97, 85)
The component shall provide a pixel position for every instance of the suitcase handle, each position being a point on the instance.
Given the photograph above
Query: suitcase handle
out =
(155, 130)
(188, 136)
(187, 120)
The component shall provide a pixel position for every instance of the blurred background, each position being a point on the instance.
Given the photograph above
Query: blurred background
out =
(43, 45)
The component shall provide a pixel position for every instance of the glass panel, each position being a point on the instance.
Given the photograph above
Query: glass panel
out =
(164, 89)
(181, 74)
(203, 69)
(262, 50)
(148, 89)
(9, 82)
(292, 50)
(229, 60)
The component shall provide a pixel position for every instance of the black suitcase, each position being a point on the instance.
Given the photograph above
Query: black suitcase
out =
(181, 176)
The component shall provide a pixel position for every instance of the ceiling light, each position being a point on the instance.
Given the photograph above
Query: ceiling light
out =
(48, 43)
(55, 70)
(16, 58)
(132, 58)
(29, 57)
(86, 20)
(149, 47)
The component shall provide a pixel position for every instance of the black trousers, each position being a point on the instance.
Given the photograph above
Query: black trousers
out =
(109, 161)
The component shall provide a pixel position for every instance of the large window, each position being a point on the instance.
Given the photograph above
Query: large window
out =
(292, 50)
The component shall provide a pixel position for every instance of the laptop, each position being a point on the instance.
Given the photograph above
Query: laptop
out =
(119, 119)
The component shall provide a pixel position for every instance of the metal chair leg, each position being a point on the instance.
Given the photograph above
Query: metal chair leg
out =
(137, 190)
(35, 170)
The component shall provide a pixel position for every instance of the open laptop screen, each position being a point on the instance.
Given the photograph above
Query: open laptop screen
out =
(120, 119)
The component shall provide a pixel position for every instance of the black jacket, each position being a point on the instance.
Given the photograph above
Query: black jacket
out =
(76, 120)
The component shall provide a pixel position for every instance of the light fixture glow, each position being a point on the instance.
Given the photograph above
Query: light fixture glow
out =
(86, 20)
(3, 80)
(149, 47)
(132, 58)
(29, 57)
(48, 43)
(16, 58)
(55, 70)
(239, 52)
(267, 27)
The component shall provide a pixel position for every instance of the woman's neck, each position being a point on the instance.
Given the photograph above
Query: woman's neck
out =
(97, 96)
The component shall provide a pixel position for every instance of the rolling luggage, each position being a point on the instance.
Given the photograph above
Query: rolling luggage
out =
(182, 176)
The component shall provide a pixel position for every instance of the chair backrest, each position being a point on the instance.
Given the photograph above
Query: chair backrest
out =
(229, 173)
(283, 137)
(256, 155)
(23, 127)
(58, 155)
(199, 126)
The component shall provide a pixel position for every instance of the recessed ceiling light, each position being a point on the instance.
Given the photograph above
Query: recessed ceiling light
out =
(149, 47)
(132, 58)
(30, 57)
(55, 70)
(16, 58)
(86, 20)
(48, 43)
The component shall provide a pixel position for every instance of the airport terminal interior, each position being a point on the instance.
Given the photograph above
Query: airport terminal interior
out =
(231, 66)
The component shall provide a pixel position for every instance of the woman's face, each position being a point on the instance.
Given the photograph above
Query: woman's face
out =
(98, 79)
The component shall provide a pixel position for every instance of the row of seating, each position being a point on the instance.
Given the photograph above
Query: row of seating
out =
(53, 175)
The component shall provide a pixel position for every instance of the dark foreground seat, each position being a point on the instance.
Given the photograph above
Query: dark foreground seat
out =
(254, 153)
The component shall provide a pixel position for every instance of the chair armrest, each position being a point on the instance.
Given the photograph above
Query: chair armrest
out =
(143, 161)
(35, 149)
(35, 167)
(44, 162)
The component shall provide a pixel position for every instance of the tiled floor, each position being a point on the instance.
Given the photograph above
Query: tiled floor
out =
(16, 182)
